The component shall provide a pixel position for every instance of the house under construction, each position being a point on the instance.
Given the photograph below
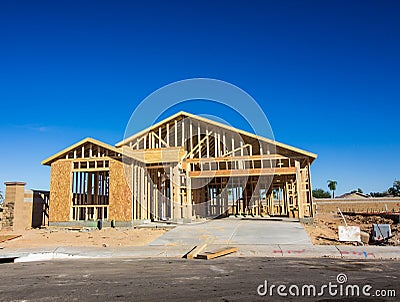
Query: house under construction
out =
(182, 168)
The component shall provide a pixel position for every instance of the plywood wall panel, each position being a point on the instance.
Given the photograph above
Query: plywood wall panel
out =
(120, 199)
(61, 190)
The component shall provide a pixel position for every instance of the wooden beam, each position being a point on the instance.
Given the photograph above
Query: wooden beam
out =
(219, 145)
(191, 137)
(234, 158)
(208, 143)
(299, 189)
(136, 144)
(224, 142)
(176, 134)
(90, 169)
(217, 253)
(237, 149)
(167, 134)
(199, 137)
(171, 193)
(243, 172)
(195, 251)
(160, 140)
(183, 133)
(195, 148)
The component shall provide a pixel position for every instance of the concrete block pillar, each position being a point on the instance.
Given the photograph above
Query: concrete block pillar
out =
(17, 213)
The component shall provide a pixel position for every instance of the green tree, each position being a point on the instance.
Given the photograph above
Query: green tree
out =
(332, 186)
(358, 190)
(379, 194)
(395, 190)
(319, 193)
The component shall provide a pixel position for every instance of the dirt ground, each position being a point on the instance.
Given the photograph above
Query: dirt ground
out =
(62, 237)
(323, 231)
(325, 228)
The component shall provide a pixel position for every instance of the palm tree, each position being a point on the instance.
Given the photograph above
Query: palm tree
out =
(332, 186)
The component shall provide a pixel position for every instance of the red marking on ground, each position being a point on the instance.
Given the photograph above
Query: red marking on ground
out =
(358, 253)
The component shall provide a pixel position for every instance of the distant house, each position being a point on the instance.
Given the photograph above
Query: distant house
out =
(353, 195)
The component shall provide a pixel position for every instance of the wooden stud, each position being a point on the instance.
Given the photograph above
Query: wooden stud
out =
(224, 149)
(199, 137)
(160, 140)
(191, 137)
(167, 134)
(208, 143)
(300, 201)
(217, 253)
(215, 145)
(195, 251)
(176, 134)
(183, 134)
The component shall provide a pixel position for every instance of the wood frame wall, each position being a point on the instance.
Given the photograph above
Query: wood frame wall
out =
(202, 151)
(182, 168)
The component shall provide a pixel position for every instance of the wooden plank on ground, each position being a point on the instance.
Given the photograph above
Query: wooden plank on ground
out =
(195, 251)
(4, 238)
(218, 253)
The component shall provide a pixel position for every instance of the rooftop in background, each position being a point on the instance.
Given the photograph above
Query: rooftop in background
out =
(353, 195)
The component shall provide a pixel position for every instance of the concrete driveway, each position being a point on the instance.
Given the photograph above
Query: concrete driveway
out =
(230, 231)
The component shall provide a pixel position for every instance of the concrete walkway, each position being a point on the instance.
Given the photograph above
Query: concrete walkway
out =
(236, 231)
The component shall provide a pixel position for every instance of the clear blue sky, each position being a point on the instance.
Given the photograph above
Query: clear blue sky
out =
(326, 73)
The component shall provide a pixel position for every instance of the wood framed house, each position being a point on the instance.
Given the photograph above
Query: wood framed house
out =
(182, 168)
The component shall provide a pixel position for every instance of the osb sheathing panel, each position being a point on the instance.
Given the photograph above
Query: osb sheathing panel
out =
(60, 188)
(158, 155)
(120, 196)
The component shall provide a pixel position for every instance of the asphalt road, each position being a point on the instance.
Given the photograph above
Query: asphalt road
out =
(223, 279)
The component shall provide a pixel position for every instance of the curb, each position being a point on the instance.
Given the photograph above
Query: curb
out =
(269, 251)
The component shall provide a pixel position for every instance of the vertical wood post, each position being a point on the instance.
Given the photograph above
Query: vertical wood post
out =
(299, 190)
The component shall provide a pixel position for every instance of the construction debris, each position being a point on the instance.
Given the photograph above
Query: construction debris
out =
(381, 233)
(217, 253)
(325, 228)
(4, 238)
(195, 251)
(349, 233)
(364, 236)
